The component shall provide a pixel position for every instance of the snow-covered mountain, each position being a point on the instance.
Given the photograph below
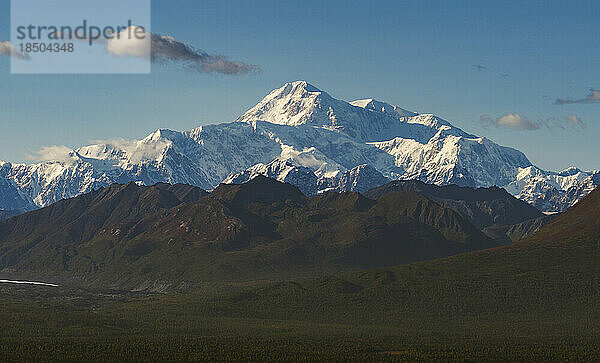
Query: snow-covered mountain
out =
(302, 135)
(13, 200)
(358, 179)
(551, 191)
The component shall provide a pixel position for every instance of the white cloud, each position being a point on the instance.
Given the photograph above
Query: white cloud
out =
(6, 48)
(511, 121)
(59, 153)
(516, 121)
(133, 150)
(126, 44)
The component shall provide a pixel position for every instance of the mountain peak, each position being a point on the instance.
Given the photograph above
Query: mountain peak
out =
(299, 103)
(294, 104)
(162, 134)
(570, 171)
(301, 85)
(259, 189)
(373, 105)
(294, 89)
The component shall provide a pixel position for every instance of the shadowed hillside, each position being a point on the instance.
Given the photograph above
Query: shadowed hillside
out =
(493, 210)
(6, 214)
(165, 236)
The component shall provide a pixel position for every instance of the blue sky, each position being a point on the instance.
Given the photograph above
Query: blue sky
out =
(418, 55)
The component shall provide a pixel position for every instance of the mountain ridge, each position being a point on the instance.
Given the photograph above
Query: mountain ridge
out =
(131, 236)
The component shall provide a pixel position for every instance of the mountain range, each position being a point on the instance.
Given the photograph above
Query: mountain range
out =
(301, 135)
(154, 237)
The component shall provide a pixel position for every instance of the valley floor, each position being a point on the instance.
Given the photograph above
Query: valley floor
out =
(49, 324)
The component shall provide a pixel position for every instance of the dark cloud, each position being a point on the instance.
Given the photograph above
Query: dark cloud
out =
(167, 49)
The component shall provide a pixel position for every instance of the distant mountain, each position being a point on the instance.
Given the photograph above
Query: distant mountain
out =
(153, 237)
(553, 192)
(303, 135)
(507, 234)
(12, 200)
(577, 228)
(358, 179)
(299, 103)
(423, 146)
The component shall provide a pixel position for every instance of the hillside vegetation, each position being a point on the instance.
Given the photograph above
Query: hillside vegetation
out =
(537, 300)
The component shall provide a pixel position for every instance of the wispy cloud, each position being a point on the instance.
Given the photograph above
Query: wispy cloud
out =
(59, 153)
(134, 150)
(7, 49)
(515, 121)
(164, 49)
(592, 97)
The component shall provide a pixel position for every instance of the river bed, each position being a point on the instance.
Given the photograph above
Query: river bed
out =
(27, 283)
